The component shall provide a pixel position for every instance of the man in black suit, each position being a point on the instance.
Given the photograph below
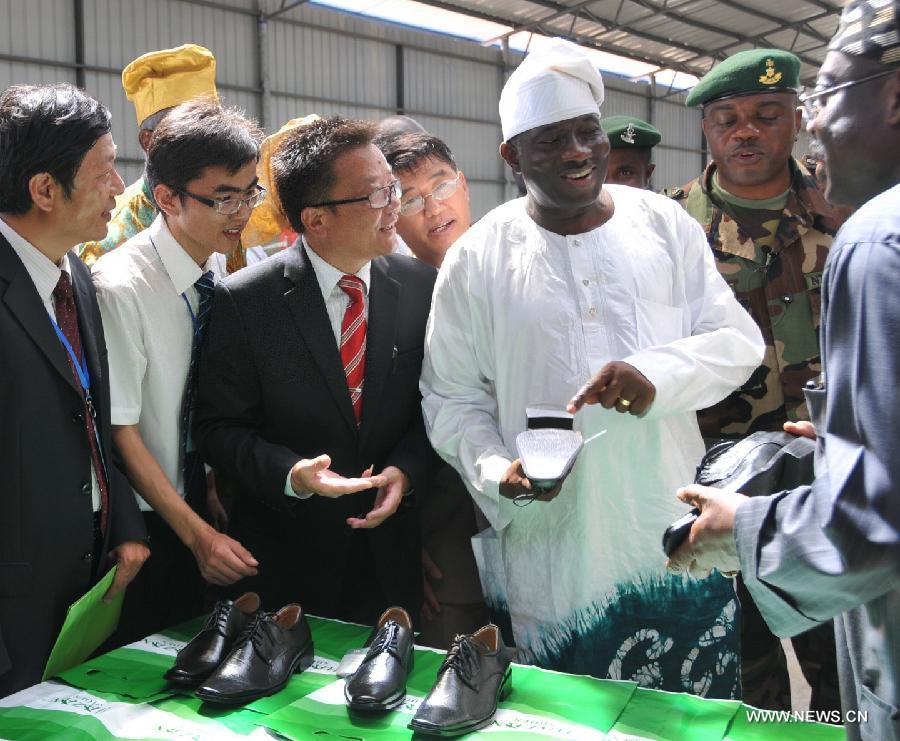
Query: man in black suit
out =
(66, 513)
(309, 384)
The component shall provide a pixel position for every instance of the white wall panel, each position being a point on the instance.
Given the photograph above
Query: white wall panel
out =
(679, 125)
(475, 146)
(483, 197)
(325, 65)
(451, 87)
(674, 168)
(39, 29)
(286, 108)
(118, 31)
(620, 103)
(18, 73)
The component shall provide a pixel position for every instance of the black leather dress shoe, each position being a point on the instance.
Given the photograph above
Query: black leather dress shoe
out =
(199, 658)
(380, 681)
(473, 678)
(271, 648)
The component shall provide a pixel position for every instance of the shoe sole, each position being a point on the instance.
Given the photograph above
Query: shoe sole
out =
(502, 693)
(392, 703)
(301, 663)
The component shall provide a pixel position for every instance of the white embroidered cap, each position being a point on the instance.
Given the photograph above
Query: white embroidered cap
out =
(554, 84)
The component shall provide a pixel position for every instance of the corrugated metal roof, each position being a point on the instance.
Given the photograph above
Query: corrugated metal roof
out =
(684, 35)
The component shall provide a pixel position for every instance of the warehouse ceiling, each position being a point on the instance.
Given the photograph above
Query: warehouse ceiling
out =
(683, 35)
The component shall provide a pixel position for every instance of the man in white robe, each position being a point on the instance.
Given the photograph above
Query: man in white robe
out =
(539, 295)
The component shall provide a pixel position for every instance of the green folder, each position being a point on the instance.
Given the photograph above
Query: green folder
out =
(89, 622)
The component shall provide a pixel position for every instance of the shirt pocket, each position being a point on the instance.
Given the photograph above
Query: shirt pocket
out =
(657, 324)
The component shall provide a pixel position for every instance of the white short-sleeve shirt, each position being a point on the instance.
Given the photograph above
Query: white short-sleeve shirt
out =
(149, 334)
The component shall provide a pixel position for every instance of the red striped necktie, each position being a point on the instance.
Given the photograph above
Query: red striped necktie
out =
(353, 340)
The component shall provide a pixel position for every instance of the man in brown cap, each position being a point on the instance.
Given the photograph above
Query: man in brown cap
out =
(833, 549)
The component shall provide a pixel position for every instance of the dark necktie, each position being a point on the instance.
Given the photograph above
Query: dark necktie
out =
(67, 319)
(191, 463)
(353, 341)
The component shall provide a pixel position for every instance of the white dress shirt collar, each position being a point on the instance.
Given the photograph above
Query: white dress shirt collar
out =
(180, 266)
(328, 275)
(40, 268)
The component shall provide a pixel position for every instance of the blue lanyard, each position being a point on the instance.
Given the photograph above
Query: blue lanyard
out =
(194, 319)
(84, 378)
(81, 367)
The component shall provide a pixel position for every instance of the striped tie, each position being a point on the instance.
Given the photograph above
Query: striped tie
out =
(353, 341)
(190, 460)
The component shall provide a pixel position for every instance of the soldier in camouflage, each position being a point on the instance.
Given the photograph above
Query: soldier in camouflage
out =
(770, 229)
(773, 260)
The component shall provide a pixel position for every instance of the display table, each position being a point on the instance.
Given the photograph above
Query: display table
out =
(122, 695)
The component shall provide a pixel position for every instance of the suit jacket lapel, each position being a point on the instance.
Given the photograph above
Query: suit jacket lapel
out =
(25, 304)
(384, 300)
(307, 306)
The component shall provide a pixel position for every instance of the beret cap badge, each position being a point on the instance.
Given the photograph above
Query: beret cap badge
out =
(771, 77)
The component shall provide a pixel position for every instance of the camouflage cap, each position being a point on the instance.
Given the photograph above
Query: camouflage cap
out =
(870, 28)
(748, 73)
(628, 132)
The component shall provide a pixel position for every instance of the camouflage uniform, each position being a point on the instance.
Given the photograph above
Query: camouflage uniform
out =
(134, 212)
(774, 266)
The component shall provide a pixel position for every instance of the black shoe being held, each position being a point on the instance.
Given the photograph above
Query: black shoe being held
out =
(380, 681)
(475, 675)
(199, 658)
(271, 648)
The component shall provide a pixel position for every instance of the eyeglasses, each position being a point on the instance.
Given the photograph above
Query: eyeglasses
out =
(377, 198)
(228, 206)
(441, 193)
(815, 100)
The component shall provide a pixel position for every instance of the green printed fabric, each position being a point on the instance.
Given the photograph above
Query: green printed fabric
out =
(542, 705)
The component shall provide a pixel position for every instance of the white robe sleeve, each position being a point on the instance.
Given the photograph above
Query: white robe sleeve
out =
(458, 397)
(724, 345)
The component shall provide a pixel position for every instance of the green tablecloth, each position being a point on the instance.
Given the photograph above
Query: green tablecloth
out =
(122, 695)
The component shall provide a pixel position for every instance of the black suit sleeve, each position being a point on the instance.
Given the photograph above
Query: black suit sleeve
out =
(229, 415)
(413, 453)
(127, 523)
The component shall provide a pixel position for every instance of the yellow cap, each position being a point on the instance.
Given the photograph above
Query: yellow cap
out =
(166, 78)
(268, 219)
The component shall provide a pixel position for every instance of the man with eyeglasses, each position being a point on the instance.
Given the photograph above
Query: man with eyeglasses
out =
(770, 228)
(155, 294)
(434, 205)
(832, 549)
(309, 392)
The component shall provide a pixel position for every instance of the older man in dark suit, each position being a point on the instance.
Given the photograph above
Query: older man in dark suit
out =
(309, 384)
(64, 508)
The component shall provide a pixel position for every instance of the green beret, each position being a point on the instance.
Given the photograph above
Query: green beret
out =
(747, 73)
(626, 132)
